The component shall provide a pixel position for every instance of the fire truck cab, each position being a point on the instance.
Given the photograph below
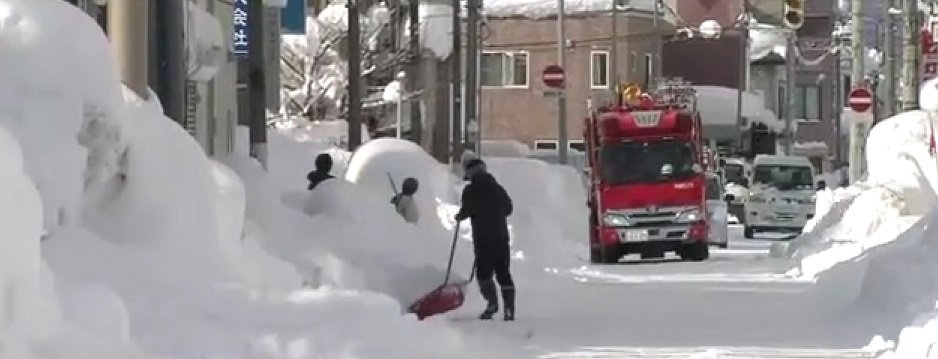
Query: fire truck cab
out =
(647, 177)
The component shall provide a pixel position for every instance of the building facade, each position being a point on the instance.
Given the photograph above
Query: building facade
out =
(718, 62)
(516, 49)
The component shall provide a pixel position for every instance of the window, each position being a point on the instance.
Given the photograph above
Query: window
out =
(504, 69)
(599, 69)
(577, 145)
(649, 69)
(545, 145)
(806, 102)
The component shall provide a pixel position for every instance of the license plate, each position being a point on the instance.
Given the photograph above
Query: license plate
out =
(634, 235)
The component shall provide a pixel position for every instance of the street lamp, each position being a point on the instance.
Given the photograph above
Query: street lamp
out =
(400, 99)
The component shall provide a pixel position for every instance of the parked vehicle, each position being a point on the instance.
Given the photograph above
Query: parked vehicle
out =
(717, 205)
(781, 195)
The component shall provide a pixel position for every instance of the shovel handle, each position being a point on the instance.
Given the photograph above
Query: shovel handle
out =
(452, 252)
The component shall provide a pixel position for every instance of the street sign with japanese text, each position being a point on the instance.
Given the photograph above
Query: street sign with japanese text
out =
(241, 24)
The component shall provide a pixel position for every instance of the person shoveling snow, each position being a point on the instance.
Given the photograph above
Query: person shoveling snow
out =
(487, 205)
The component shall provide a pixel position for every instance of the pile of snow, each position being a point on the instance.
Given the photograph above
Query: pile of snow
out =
(346, 233)
(77, 323)
(504, 148)
(550, 219)
(151, 244)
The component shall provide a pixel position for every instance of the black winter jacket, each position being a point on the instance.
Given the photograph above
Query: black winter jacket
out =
(487, 205)
(315, 177)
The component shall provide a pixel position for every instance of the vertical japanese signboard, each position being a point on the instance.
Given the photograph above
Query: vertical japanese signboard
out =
(929, 68)
(240, 36)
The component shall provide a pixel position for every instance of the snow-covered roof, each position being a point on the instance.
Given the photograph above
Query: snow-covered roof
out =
(717, 106)
(436, 23)
(765, 40)
(536, 9)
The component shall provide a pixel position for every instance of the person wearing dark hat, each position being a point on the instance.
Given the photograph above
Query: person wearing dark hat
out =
(321, 173)
(487, 206)
(404, 202)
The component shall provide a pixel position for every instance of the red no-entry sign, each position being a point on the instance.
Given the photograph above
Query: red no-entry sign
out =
(860, 99)
(553, 76)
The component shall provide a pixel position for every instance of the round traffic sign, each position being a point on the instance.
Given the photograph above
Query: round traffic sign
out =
(860, 99)
(553, 76)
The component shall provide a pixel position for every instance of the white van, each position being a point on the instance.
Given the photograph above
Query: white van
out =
(781, 195)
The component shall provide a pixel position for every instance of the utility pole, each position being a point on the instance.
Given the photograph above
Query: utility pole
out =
(838, 97)
(171, 26)
(257, 82)
(614, 50)
(910, 54)
(354, 76)
(889, 39)
(127, 29)
(789, 89)
(414, 75)
(858, 53)
(456, 85)
(656, 55)
(562, 99)
(472, 66)
(839, 108)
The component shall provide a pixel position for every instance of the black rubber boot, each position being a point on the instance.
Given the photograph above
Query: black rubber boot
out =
(508, 296)
(490, 293)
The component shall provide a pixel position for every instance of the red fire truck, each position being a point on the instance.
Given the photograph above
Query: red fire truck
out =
(646, 169)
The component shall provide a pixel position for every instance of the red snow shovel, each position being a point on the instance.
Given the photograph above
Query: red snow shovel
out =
(447, 296)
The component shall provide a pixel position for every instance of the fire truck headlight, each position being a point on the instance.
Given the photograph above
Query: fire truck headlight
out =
(616, 220)
(689, 216)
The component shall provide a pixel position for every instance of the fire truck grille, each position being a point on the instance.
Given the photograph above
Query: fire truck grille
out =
(655, 215)
(653, 224)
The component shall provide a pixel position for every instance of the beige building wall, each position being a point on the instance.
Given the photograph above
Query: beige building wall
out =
(523, 112)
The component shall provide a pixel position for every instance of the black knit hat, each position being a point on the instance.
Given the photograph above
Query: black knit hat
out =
(473, 163)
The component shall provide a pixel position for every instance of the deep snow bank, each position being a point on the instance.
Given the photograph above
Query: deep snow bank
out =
(37, 322)
(899, 188)
(65, 109)
(165, 258)
(549, 226)
(347, 234)
(214, 291)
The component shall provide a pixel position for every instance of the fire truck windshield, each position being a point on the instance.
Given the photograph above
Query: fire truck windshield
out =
(653, 161)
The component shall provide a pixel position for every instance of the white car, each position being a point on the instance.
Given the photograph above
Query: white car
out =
(781, 197)
(718, 210)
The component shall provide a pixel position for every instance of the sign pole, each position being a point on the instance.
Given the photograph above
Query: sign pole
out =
(860, 116)
(860, 123)
(562, 99)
